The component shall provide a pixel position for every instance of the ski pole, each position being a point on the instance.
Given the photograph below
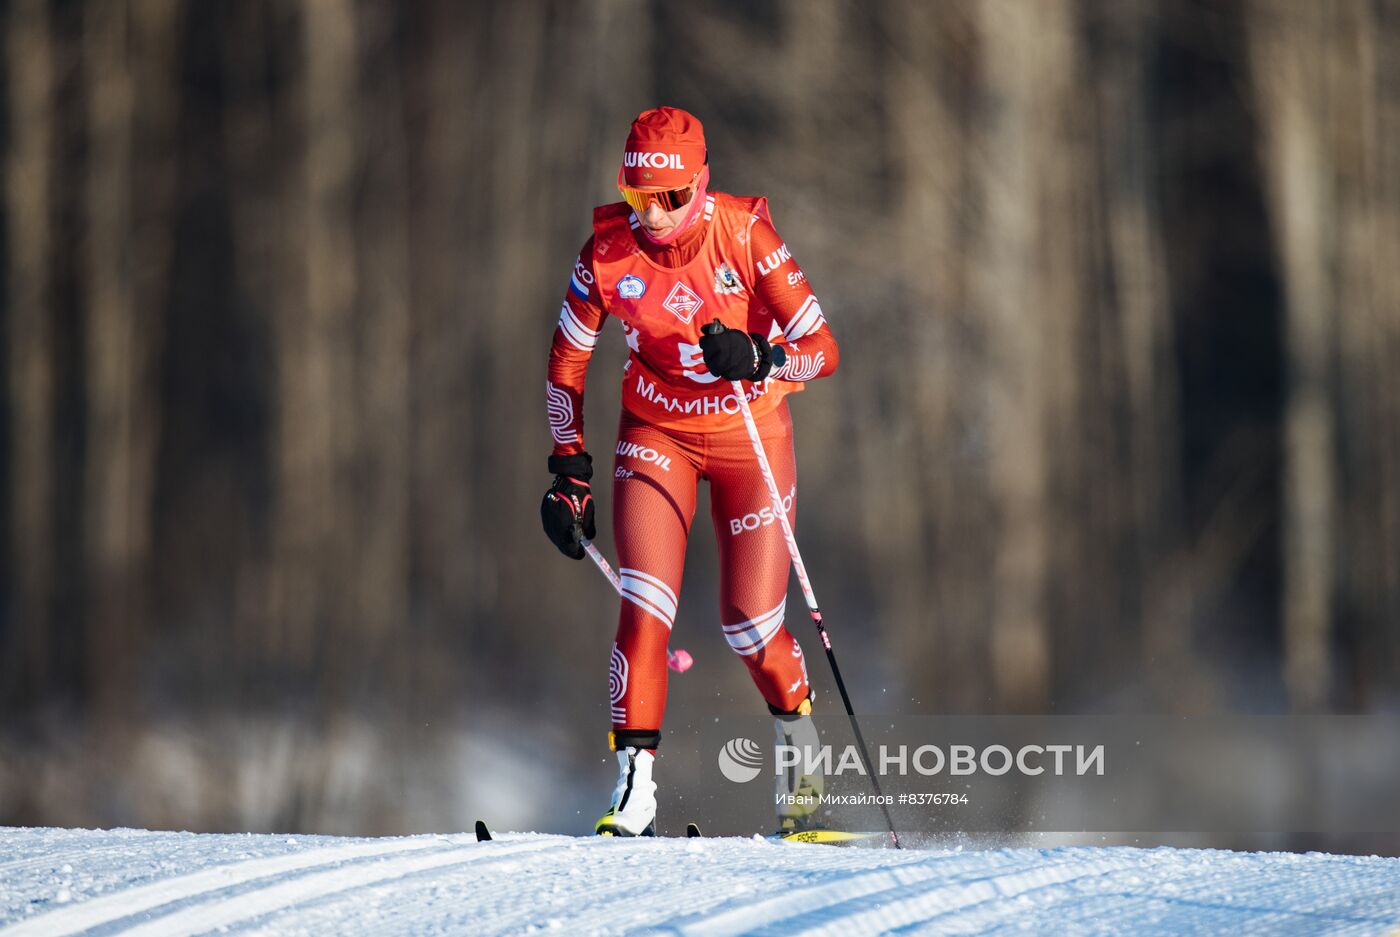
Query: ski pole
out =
(678, 660)
(766, 470)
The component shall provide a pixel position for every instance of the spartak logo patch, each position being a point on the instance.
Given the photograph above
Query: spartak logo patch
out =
(683, 301)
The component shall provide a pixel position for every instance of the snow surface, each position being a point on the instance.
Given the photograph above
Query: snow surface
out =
(55, 882)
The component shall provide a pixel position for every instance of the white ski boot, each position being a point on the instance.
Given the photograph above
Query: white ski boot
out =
(798, 794)
(633, 810)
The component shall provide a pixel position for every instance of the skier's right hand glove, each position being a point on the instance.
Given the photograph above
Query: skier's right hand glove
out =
(735, 356)
(567, 509)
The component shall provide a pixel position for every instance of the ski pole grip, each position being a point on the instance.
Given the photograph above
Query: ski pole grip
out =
(714, 328)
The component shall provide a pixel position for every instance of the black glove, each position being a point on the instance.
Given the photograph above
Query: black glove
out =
(734, 356)
(567, 509)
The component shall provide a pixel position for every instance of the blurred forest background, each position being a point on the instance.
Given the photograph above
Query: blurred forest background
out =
(1116, 428)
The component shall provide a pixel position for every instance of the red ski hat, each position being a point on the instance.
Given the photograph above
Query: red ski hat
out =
(665, 148)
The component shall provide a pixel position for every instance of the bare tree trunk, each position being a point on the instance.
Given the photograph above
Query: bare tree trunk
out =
(120, 405)
(315, 413)
(381, 382)
(440, 516)
(507, 255)
(1365, 118)
(1026, 284)
(1289, 51)
(1140, 305)
(1379, 36)
(318, 432)
(30, 370)
(939, 618)
(256, 129)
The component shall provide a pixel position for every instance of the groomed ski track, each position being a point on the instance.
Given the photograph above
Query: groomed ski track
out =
(55, 882)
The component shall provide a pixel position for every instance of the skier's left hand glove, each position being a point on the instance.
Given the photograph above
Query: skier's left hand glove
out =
(735, 356)
(567, 508)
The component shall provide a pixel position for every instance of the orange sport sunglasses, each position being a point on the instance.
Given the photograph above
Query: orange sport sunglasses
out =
(668, 199)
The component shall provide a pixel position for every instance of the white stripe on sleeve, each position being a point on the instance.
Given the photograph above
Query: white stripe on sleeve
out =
(805, 321)
(575, 332)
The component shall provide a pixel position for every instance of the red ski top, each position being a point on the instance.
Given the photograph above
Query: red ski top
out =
(731, 266)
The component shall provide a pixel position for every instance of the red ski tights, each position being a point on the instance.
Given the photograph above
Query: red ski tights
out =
(654, 485)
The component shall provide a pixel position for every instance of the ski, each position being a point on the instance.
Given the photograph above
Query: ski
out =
(817, 837)
(828, 837)
(692, 831)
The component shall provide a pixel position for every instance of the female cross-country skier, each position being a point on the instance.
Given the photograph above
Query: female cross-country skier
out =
(668, 260)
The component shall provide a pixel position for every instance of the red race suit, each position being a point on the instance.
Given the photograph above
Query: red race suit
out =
(681, 424)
